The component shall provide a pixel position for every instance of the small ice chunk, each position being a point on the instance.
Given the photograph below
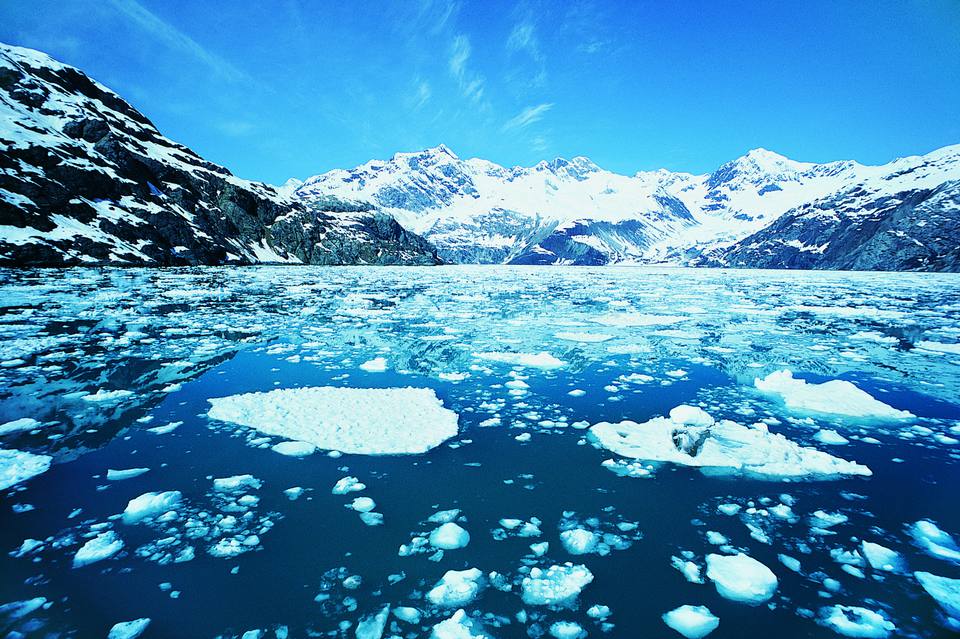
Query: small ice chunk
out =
(293, 493)
(347, 485)
(693, 622)
(129, 629)
(792, 563)
(363, 504)
(830, 437)
(129, 473)
(567, 630)
(456, 588)
(103, 546)
(236, 483)
(449, 536)
(375, 365)
(579, 541)
(555, 586)
(741, 578)
(836, 397)
(150, 505)
(854, 621)
(294, 448)
(882, 558)
(407, 614)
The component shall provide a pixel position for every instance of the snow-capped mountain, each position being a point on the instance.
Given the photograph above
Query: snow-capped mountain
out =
(574, 212)
(87, 179)
(901, 216)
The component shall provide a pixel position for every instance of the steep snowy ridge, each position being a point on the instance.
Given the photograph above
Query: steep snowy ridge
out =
(574, 212)
(87, 179)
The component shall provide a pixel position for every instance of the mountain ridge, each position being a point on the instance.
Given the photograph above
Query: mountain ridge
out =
(474, 210)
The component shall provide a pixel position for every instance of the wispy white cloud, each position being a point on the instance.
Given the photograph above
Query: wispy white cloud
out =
(471, 84)
(528, 116)
(523, 37)
(422, 93)
(176, 39)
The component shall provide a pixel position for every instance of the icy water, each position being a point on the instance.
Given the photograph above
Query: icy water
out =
(637, 342)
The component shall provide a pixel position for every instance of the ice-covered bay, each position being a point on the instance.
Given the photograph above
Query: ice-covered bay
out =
(395, 452)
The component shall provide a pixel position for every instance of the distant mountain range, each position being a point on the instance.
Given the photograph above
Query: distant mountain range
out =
(87, 179)
(760, 210)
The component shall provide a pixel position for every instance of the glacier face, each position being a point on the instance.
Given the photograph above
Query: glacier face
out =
(574, 212)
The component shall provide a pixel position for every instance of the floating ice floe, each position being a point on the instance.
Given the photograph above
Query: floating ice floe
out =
(555, 586)
(542, 359)
(854, 621)
(294, 448)
(129, 473)
(456, 588)
(449, 536)
(579, 541)
(105, 396)
(940, 347)
(375, 365)
(366, 421)
(693, 622)
(691, 437)
(129, 629)
(458, 626)
(741, 578)
(836, 397)
(372, 627)
(17, 466)
(567, 630)
(150, 505)
(935, 542)
(636, 319)
(882, 558)
(236, 483)
(19, 425)
(945, 591)
(103, 546)
(347, 485)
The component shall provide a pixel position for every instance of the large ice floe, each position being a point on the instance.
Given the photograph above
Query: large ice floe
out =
(365, 421)
(691, 437)
(17, 466)
(836, 397)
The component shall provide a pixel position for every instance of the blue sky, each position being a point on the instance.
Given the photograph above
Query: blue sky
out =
(294, 88)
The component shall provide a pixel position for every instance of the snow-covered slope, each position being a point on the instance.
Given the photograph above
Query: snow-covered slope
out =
(87, 179)
(572, 211)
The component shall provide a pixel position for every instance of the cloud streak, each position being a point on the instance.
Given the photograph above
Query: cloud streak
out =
(176, 39)
(528, 116)
(471, 84)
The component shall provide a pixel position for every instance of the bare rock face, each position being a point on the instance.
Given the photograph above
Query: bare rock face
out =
(87, 179)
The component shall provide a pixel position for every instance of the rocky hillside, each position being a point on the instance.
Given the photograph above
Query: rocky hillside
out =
(87, 179)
